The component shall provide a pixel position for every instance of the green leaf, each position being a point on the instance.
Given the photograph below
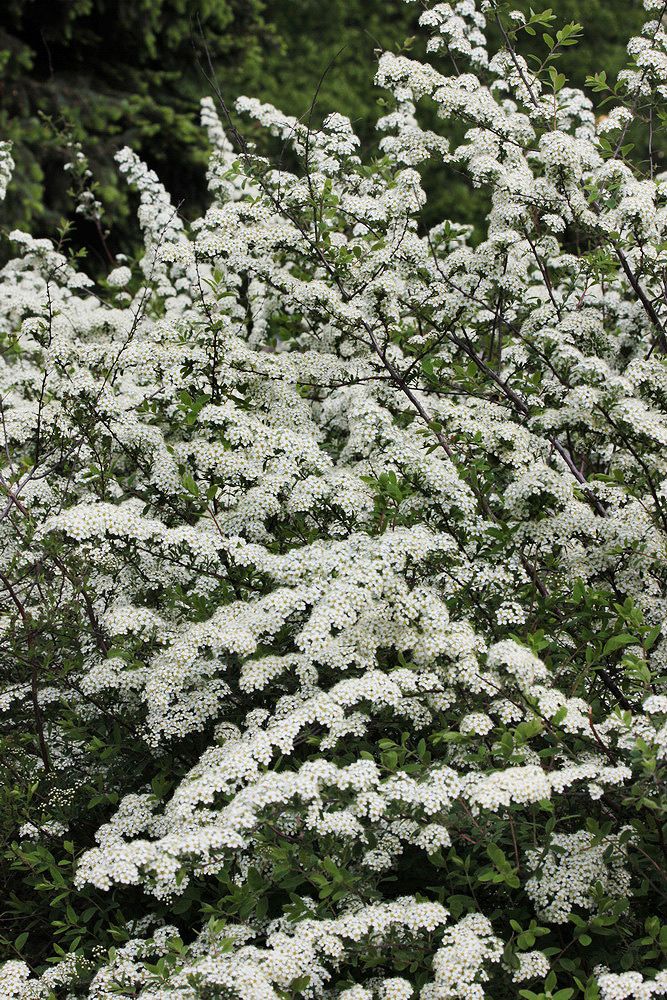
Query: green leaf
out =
(190, 485)
(21, 940)
(496, 854)
(618, 641)
(299, 985)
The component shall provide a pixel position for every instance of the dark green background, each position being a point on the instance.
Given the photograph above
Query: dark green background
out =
(126, 72)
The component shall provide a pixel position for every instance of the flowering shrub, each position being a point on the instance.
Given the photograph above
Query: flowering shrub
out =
(333, 559)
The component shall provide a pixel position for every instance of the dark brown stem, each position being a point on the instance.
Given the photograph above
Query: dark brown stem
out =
(34, 690)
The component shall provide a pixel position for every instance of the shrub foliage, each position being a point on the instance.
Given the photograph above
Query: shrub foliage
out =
(132, 72)
(333, 555)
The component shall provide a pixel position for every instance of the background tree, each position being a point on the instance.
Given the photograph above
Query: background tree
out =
(127, 73)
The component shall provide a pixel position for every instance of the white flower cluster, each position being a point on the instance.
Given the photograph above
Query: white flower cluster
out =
(313, 949)
(355, 532)
(6, 167)
(574, 865)
(631, 986)
(460, 965)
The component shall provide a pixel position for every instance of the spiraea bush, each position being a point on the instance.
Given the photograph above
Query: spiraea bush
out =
(334, 618)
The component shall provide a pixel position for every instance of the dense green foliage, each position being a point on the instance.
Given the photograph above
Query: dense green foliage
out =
(131, 72)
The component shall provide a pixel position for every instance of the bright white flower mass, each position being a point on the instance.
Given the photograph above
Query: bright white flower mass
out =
(333, 556)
